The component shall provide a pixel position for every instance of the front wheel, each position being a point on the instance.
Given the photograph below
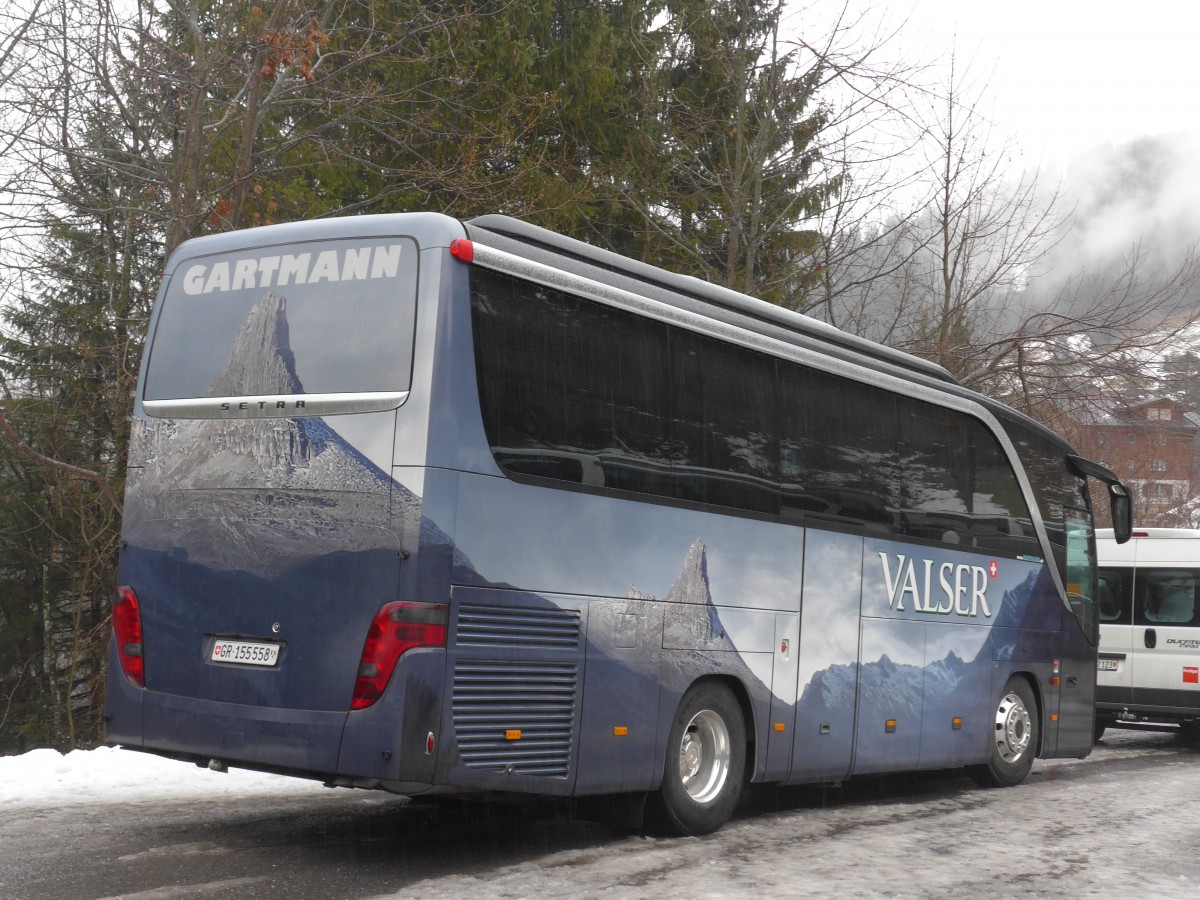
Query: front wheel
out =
(1189, 733)
(706, 761)
(1014, 737)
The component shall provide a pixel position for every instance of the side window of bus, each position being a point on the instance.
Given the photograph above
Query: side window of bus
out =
(571, 390)
(957, 487)
(935, 472)
(1054, 486)
(1000, 518)
(1114, 596)
(838, 448)
(722, 424)
(1166, 596)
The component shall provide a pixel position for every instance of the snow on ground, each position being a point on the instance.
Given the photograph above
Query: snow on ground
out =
(1126, 832)
(44, 778)
(1118, 824)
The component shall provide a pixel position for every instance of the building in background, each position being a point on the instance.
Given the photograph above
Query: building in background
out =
(1155, 447)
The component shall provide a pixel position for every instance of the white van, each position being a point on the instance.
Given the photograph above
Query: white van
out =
(1148, 599)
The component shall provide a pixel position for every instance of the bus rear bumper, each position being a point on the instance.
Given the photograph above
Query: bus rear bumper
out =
(301, 741)
(393, 744)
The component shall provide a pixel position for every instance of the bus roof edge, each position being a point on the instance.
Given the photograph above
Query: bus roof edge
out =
(696, 288)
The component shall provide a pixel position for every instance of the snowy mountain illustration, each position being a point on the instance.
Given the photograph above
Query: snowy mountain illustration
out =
(294, 484)
(1015, 610)
(295, 453)
(692, 584)
(692, 620)
(886, 689)
(261, 361)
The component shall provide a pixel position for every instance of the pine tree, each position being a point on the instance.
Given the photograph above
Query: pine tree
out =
(68, 362)
(739, 126)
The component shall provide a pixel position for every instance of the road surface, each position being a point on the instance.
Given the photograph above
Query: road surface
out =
(1120, 823)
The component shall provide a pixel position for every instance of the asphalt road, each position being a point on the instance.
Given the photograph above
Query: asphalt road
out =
(929, 835)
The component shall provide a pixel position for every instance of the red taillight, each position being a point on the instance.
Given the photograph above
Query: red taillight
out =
(462, 250)
(127, 626)
(397, 628)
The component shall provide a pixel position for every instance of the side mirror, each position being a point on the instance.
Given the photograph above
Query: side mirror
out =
(1122, 512)
(1119, 500)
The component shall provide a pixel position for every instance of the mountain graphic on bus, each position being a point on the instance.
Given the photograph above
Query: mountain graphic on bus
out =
(692, 620)
(692, 589)
(889, 689)
(299, 471)
(261, 361)
(280, 452)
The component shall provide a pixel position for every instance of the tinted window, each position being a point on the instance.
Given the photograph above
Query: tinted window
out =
(723, 410)
(838, 447)
(1080, 577)
(995, 490)
(1045, 466)
(936, 471)
(957, 485)
(327, 317)
(1054, 485)
(572, 390)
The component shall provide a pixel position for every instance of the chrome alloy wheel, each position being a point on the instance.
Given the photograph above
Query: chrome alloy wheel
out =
(704, 753)
(1014, 728)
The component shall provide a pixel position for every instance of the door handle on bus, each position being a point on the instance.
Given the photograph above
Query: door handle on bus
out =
(1151, 639)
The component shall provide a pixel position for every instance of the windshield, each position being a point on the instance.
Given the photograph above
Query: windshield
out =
(324, 317)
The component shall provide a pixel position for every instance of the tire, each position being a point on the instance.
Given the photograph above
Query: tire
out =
(1189, 733)
(706, 763)
(1014, 739)
(1098, 730)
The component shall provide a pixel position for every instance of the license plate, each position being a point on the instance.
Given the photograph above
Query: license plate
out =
(1106, 665)
(246, 653)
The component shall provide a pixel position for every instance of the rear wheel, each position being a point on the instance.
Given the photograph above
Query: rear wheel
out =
(706, 762)
(1014, 737)
(1098, 729)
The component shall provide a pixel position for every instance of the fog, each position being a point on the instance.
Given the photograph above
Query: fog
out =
(1144, 193)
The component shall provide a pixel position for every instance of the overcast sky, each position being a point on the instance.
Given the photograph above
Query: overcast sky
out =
(1069, 75)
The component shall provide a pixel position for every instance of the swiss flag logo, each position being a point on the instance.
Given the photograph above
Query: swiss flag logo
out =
(1191, 674)
(994, 569)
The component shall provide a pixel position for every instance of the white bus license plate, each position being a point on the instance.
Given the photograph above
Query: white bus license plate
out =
(246, 653)
(1106, 665)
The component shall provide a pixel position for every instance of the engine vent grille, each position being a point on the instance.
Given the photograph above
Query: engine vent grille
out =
(515, 717)
(506, 626)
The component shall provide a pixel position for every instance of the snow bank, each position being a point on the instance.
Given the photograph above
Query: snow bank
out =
(112, 775)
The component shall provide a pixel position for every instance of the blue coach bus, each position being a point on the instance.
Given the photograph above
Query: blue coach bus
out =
(432, 506)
